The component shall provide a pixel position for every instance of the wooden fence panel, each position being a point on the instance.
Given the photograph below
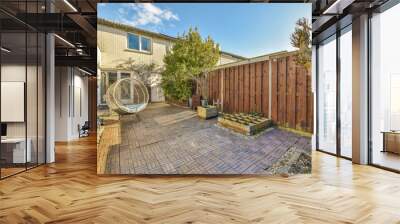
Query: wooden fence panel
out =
(252, 88)
(274, 90)
(236, 91)
(240, 90)
(291, 93)
(247, 88)
(226, 86)
(246, 91)
(258, 103)
(282, 75)
(301, 98)
(217, 86)
(232, 89)
(265, 88)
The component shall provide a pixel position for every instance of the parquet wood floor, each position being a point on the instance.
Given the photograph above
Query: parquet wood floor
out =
(69, 191)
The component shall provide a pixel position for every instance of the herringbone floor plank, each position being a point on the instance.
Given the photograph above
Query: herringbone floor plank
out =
(69, 191)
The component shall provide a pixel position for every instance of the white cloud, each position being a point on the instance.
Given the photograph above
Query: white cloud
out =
(122, 11)
(147, 14)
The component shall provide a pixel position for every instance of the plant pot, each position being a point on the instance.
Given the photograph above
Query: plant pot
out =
(190, 102)
(204, 103)
(207, 112)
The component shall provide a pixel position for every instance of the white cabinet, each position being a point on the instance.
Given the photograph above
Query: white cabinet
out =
(17, 146)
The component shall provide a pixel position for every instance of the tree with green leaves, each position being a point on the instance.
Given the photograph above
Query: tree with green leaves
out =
(301, 39)
(189, 60)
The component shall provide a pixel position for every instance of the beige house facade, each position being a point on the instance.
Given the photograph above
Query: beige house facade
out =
(119, 44)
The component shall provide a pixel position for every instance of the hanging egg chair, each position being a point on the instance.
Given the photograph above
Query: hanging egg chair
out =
(127, 96)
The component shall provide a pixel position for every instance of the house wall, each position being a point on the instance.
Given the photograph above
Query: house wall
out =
(112, 43)
(225, 59)
(113, 52)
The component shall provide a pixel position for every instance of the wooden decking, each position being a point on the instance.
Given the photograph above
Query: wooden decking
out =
(165, 139)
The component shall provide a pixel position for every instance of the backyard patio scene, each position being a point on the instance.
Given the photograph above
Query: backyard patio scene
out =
(220, 113)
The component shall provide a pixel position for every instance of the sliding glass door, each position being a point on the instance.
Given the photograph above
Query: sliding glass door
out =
(327, 95)
(385, 89)
(334, 96)
(22, 77)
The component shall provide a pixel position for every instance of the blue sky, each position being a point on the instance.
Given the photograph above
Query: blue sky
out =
(247, 29)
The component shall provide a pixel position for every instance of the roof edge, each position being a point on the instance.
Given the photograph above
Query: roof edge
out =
(256, 59)
(128, 28)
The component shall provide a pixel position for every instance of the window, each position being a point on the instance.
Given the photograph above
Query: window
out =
(133, 42)
(385, 89)
(394, 102)
(112, 77)
(139, 43)
(109, 78)
(145, 43)
(327, 95)
(126, 88)
(346, 92)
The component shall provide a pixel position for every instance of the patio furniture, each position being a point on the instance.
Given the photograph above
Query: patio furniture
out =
(127, 96)
(391, 141)
(84, 129)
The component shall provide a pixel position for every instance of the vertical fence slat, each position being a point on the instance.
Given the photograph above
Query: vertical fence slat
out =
(252, 87)
(228, 90)
(246, 90)
(236, 90)
(265, 88)
(240, 90)
(291, 90)
(274, 90)
(258, 73)
(282, 91)
(302, 99)
(231, 89)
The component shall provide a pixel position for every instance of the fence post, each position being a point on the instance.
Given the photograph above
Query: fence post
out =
(270, 89)
(222, 89)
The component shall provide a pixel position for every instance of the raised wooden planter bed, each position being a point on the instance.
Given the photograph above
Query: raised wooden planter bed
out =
(207, 112)
(247, 124)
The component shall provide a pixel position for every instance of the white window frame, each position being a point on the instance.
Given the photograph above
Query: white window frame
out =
(107, 81)
(140, 43)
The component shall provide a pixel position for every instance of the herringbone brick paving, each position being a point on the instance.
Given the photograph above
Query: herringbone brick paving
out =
(164, 139)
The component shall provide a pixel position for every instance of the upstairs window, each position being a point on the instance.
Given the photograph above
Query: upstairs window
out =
(139, 43)
(145, 44)
(133, 42)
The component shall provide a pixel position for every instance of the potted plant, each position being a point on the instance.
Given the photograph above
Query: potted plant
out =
(204, 102)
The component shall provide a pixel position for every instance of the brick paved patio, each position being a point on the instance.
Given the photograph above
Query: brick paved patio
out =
(165, 139)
